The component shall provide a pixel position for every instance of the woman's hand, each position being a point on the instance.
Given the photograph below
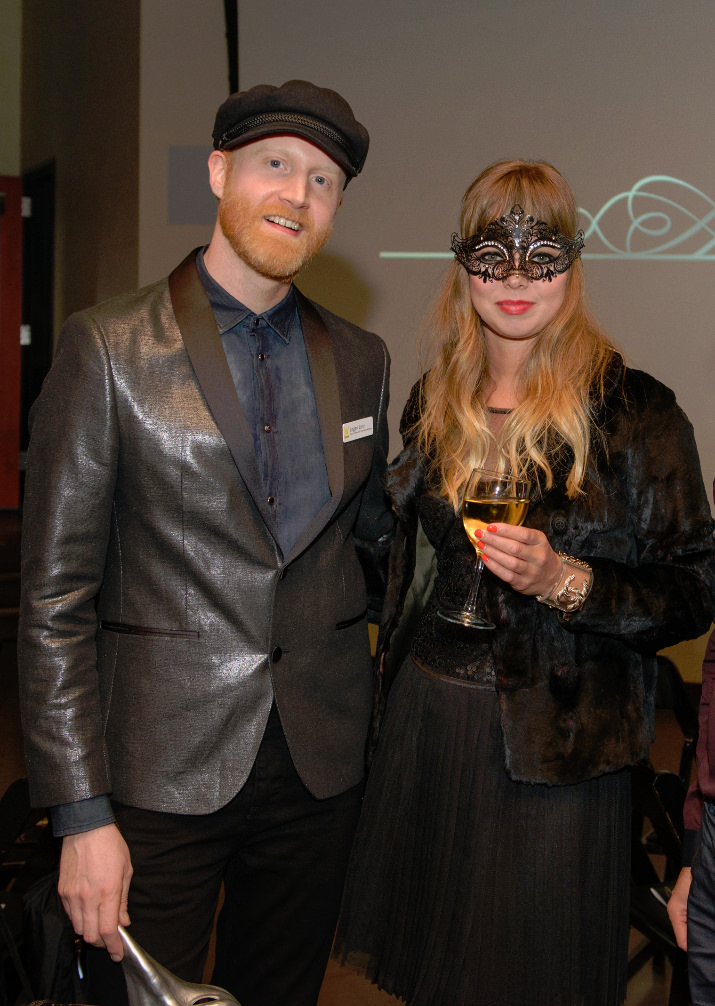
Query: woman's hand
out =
(521, 556)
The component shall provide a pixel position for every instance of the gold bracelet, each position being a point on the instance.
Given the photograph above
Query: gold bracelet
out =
(569, 598)
(557, 581)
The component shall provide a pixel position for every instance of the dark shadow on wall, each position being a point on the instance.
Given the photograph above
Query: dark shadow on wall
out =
(80, 109)
(336, 284)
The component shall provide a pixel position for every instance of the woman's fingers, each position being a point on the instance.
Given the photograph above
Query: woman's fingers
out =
(520, 556)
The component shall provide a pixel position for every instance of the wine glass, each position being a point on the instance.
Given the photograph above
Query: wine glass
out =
(488, 497)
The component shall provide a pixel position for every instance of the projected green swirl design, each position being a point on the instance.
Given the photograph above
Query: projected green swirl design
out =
(659, 218)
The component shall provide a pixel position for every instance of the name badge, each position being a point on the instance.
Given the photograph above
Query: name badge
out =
(357, 429)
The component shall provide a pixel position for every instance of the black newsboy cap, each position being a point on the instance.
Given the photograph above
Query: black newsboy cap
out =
(297, 107)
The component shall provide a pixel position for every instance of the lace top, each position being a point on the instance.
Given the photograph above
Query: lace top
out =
(450, 649)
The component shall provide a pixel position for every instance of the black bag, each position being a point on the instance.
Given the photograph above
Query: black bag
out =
(54, 952)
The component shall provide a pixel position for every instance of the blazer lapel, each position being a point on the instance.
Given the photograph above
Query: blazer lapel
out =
(203, 344)
(321, 360)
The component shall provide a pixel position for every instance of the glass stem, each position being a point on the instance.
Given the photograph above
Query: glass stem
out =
(471, 603)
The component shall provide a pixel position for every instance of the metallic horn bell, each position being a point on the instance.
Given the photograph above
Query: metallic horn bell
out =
(150, 984)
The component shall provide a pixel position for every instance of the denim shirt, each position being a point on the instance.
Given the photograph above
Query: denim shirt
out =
(269, 365)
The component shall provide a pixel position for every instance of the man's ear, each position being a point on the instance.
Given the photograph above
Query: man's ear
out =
(218, 171)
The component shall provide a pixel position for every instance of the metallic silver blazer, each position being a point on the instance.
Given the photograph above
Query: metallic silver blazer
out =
(159, 618)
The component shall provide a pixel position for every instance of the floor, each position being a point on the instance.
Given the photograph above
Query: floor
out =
(649, 987)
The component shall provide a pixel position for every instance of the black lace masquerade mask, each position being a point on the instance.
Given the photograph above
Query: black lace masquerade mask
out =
(517, 244)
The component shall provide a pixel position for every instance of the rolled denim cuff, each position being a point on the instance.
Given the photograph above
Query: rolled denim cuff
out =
(82, 815)
(690, 844)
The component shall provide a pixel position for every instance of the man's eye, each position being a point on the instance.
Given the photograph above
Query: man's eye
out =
(320, 180)
(274, 162)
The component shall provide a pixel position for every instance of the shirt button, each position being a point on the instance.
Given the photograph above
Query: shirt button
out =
(277, 654)
(261, 357)
(271, 500)
(267, 429)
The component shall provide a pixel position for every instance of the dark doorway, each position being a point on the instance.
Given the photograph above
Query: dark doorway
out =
(38, 293)
(10, 319)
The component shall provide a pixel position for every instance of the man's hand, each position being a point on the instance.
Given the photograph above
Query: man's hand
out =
(95, 871)
(678, 907)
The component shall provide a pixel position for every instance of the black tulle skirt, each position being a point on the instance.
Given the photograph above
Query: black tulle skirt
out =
(468, 888)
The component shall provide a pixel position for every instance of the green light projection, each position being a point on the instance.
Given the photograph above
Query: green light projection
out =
(660, 218)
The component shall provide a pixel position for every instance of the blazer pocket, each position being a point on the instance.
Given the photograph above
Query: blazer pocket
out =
(351, 621)
(143, 630)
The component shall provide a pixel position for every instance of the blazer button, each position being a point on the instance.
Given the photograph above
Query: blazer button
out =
(271, 500)
(277, 654)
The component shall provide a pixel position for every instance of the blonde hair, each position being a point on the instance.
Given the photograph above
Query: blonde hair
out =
(562, 381)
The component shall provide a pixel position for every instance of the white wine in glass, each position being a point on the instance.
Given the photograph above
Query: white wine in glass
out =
(489, 498)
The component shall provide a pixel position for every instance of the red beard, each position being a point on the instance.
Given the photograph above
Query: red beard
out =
(275, 256)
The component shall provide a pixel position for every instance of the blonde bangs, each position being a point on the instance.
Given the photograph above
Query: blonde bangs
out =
(535, 186)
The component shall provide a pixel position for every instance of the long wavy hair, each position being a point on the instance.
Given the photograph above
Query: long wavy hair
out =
(562, 381)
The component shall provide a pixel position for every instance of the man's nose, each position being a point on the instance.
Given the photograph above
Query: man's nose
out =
(295, 189)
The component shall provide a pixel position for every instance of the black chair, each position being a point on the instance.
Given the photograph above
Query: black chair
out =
(672, 694)
(649, 890)
(657, 839)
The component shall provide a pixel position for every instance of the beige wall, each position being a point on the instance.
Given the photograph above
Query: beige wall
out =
(107, 90)
(80, 107)
(184, 78)
(10, 50)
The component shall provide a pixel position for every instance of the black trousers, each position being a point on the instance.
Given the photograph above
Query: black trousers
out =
(281, 855)
(701, 914)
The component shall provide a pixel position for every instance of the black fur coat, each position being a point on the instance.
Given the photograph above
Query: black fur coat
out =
(576, 692)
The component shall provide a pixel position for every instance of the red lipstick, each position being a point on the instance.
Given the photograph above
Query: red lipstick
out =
(514, 306)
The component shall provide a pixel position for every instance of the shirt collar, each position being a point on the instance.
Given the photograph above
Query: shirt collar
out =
(230, 312)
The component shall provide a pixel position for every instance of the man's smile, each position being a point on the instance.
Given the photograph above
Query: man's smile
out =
(283, 222)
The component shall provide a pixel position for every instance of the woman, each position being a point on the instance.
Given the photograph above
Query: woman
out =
(491, 864)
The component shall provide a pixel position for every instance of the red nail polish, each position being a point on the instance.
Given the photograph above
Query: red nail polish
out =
(485, 557)
(492, 527)
(478, 533)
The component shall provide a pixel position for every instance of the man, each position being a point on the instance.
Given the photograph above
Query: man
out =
(692, 904)
(194, 642)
